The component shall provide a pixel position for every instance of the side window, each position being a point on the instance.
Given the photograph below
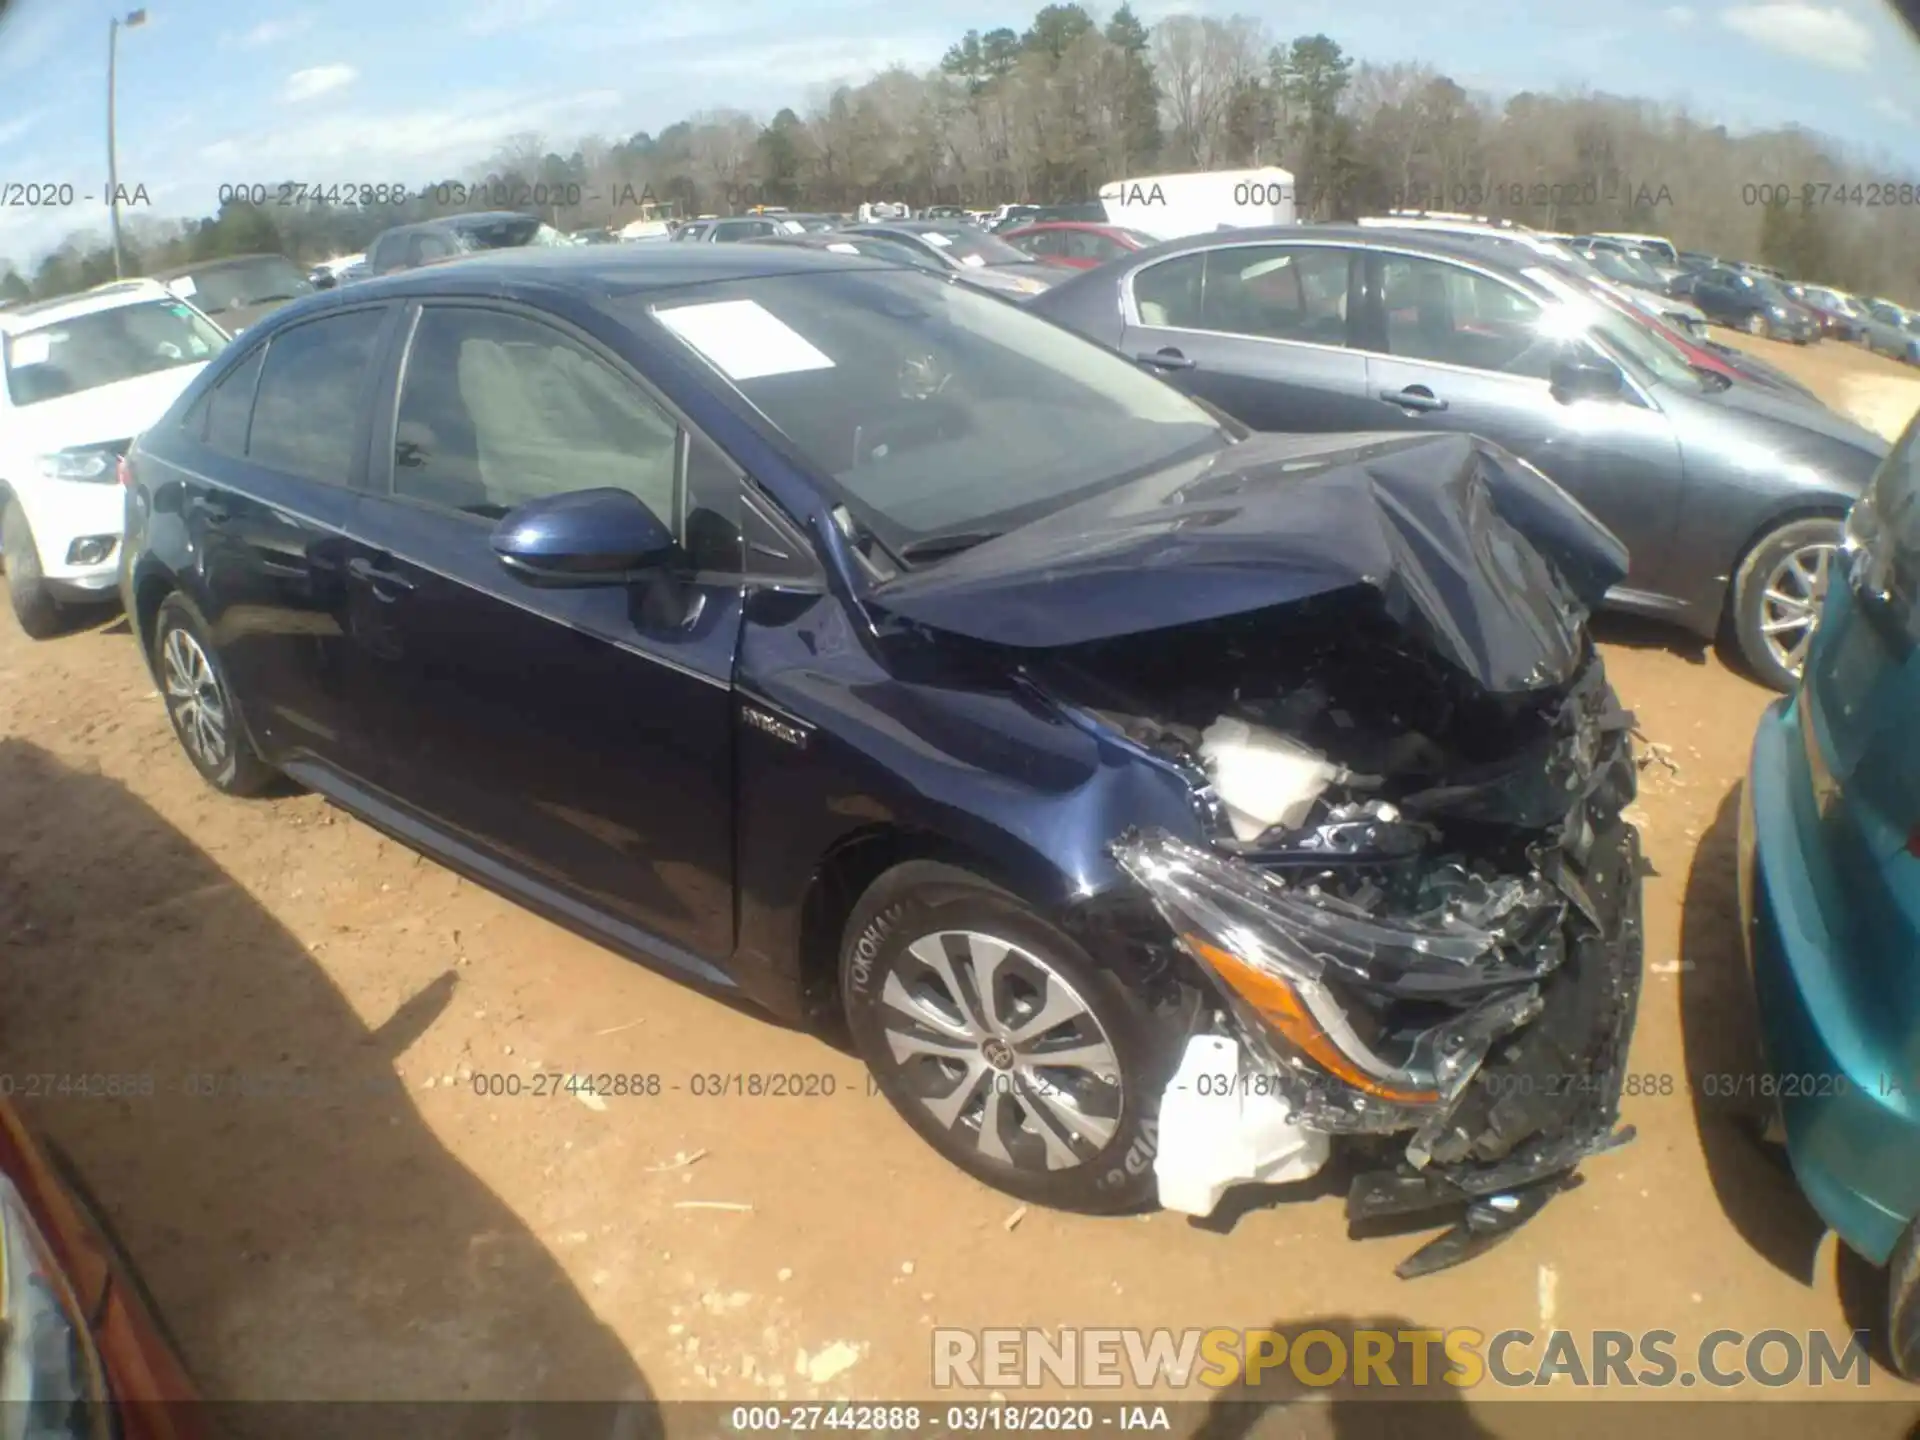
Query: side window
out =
(230, 406)
(427, 247)
(496, 410)
(308, 403)
(386, 253)
(1441, 312)
(1277, 292)
(1168, 293)
(1104, 248)
(1041, 242)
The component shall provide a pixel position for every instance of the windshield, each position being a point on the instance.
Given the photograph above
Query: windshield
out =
(930, 407)
(220, 288)
(1629, 269)
(105, 347)
(1771, 291)
(972, 248)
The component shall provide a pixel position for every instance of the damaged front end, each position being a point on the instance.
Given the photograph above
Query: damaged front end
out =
(1409, 883)
(1450, 962)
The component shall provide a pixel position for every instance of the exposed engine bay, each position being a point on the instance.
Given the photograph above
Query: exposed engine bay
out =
(1417, 907)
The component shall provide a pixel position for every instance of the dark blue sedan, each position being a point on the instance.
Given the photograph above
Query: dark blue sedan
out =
(1155, 804)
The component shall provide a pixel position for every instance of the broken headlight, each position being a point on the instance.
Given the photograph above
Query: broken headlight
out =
(1396, 1008)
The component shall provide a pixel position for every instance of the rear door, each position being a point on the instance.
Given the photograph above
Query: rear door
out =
(1456, 348)
(1259, 330)
(284, 443)
(580, 736)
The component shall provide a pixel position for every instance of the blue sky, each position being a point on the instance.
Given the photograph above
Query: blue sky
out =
(366, 91)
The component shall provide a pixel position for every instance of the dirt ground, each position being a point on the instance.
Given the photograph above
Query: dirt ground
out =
(362, 1223)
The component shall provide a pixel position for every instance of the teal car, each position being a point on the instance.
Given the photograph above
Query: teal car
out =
(1830, 896)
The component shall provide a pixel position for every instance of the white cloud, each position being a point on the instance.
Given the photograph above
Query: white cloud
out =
(12, 130)
(272, 32)
(416, 146)
(1679, 15)
(1824, 36)
(1887, 108)
(494, 17)
(310, 84)
(819, 62)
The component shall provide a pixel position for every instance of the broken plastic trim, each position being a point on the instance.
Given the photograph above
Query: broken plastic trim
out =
(1280, 953)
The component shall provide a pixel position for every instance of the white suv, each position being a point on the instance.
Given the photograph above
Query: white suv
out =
(79, 378)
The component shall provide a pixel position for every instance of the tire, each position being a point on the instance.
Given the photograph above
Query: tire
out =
(200, 704)
(1080, 1137)
(37, 611)
(1756, 324)
(1779, 583)
(1903, 1304)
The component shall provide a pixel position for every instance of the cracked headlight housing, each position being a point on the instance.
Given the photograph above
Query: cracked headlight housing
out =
(52, 1386)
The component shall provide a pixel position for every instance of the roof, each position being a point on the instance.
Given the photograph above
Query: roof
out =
(65, 307)
(603, 271)
(200, 267)
(466, 221)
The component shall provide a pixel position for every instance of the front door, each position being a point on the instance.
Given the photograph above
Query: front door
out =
(581, 735)
(1457, 349)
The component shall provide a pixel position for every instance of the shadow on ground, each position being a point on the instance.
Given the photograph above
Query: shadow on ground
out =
(303, 1231)
(1726, 1066)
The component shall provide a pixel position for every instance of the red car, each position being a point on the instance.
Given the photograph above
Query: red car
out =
(1079, 244)
(75, 1329)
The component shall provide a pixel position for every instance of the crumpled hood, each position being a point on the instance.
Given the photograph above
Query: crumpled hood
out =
(1439, 525)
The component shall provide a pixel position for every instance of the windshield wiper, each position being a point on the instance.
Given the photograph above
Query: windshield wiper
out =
(939, 547)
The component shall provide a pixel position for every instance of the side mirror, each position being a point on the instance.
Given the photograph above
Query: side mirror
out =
(1586, 377)
(586, 537)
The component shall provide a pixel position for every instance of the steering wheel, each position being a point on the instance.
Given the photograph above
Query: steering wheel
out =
(922, 377)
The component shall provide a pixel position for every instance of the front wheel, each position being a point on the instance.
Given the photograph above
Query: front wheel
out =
(1777, 596)
(200, 703)
(1000, 1040)
(33, 606)
(1757, 324)
(1903, 1304)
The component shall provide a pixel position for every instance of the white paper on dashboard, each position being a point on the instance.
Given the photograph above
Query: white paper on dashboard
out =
(30, 349)
(934, 238)
(972, 262)
(841, 249)
(183, 287)
(743, 340)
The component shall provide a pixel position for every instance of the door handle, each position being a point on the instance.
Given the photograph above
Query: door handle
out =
(385, 584)
(1168, 359)
(1414, 397)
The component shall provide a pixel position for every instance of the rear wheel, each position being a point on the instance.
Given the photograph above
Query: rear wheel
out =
(1777, 597)
(36, 610)
(993, 1034)
(200, 704)
(1756, 324)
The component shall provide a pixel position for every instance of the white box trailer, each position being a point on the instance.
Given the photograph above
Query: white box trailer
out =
(1170, 206)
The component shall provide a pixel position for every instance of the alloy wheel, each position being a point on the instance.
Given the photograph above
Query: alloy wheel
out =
(194, 699)
(1790, 604)
(1001, 1050)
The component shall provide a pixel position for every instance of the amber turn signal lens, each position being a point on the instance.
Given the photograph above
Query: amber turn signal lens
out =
(1280, 1005)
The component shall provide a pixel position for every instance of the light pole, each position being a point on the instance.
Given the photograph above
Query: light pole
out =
(133, 19)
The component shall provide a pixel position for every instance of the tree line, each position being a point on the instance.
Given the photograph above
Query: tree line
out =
(1052, 113)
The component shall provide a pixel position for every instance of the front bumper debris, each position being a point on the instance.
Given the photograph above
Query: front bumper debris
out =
(1466, 999)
